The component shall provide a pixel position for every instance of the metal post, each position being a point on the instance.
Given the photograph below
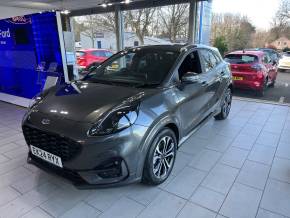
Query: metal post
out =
(192, 21)
(119, 21)
(62, 46)
(200, 23)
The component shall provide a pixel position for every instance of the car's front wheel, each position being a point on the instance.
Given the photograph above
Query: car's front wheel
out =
(160, 158)
(225, 106)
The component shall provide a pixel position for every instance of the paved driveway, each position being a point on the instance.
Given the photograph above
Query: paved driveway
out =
(236, 168)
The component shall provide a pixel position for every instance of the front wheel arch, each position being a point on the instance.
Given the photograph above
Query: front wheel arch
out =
(165, 122)
(148, 174)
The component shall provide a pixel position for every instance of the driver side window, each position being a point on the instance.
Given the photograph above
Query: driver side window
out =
(191, 64)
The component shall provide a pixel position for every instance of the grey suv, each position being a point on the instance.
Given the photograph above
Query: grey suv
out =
(126, 119)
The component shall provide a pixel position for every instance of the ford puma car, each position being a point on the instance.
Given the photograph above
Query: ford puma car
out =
(125, 123)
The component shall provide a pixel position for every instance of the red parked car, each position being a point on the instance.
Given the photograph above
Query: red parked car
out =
(89, 57)
(252, 70)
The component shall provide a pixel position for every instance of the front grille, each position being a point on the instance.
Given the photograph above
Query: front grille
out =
(63, 147)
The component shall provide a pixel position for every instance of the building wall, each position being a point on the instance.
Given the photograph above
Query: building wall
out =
(281, 43)
(6, 12)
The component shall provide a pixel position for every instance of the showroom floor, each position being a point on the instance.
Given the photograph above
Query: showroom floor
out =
(236, 168)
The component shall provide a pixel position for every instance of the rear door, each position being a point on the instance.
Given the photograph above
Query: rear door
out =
(213, 72)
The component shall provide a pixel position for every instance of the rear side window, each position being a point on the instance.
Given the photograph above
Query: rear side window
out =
(209, 59)
(241, 59)
(102, 53)
(80, 53)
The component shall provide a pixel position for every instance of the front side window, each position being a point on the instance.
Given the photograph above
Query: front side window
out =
(266, 59)
(191, 64)
(145, 66)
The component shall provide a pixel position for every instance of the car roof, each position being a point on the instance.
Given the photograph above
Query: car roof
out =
(170, 47)
(92, 49)
(250, 52)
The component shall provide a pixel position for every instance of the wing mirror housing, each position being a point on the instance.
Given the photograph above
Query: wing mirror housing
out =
(190, 77)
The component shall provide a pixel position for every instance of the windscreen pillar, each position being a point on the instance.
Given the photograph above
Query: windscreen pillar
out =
(192, 28)
(119, 22)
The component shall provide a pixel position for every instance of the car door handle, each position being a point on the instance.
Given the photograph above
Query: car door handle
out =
(222, 73)
(204, 83)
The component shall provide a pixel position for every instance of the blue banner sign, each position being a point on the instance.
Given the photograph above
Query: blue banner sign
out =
(29, 52)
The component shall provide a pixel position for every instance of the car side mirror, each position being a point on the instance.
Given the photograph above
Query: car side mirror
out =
(190, 77)
(274, 62)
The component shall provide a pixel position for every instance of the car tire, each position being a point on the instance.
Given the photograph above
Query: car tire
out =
(157, 166)
(272, 84)
(226, 106)
(261, 93)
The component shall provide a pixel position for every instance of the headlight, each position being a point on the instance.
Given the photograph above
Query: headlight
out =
(38, 98)
(117, 120)
(35, 100)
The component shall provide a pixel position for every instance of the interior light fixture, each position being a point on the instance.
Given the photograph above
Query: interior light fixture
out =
(104, 5)
(65, 12)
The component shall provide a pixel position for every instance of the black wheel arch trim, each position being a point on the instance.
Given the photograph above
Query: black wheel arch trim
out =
(155, 127)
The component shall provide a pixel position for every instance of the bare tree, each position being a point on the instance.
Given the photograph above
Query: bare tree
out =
(235, 29)
(139, 22)
(174, 20)
(281, 21)
(94, 24)
(78, 27)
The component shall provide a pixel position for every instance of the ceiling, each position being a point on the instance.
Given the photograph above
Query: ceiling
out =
(84, 7)
(57, 4)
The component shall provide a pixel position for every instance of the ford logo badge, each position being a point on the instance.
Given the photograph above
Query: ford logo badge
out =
(45, 121)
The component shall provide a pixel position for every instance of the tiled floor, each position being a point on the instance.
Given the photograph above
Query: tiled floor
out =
(234, 168)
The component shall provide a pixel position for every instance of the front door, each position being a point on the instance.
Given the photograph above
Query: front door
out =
(192, 95)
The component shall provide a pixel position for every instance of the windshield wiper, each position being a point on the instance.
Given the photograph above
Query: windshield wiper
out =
(101, 81)
(147, 85)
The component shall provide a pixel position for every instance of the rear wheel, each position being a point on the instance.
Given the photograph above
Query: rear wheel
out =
(272, 84)
(160, 158)
(226, 106)
(261, 92)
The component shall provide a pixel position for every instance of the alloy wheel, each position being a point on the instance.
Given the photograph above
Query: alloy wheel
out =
(163, 157)
(227, 103)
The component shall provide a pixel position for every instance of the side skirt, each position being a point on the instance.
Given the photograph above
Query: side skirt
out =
(195, 129)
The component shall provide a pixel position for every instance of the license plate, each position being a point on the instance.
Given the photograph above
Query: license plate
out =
(44, 155)
(237, 78)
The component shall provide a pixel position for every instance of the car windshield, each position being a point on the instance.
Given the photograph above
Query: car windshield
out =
(241, 58)
(140, 67)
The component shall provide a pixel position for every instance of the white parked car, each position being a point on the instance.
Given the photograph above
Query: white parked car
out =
(284, 62)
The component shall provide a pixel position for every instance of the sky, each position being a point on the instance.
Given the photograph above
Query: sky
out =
(260, 12)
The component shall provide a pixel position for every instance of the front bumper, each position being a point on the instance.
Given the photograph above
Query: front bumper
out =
(284, 67)
(100, 161)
